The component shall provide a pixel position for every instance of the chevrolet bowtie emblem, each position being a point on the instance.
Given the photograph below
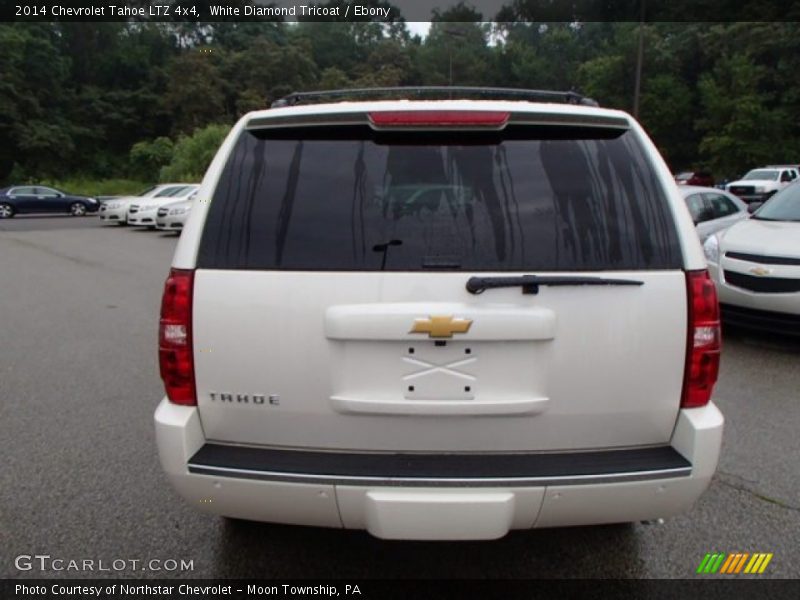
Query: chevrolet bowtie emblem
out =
(760, 271)
(441, 326)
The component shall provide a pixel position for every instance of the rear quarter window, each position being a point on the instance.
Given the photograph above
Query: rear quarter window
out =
(347, 198)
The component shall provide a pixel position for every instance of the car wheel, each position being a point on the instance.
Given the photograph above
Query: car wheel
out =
(6, 211)
(77, 209)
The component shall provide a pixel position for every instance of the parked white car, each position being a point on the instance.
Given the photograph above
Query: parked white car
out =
(439, 319)
(756, 266)
(759, 184)
(713, 210)
(116, 210)
(143, 213)
(172, 216)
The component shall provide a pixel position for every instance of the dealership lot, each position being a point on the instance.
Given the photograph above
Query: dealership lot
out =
(79, 383)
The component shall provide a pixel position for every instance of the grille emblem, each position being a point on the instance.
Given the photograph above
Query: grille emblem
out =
(760, 271)
(441, 326)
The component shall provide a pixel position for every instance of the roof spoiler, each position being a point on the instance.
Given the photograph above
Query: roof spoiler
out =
(434, 93)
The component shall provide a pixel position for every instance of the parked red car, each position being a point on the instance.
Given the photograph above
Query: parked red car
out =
(700, 178)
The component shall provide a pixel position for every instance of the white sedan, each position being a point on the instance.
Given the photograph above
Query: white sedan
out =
(116, 209)
(712, 210)
(756, 266)
(172, 216)
(143, 214)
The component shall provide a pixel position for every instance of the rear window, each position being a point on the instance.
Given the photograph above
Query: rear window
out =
(348, 198)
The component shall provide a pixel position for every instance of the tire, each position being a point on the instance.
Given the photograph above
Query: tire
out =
(77, 209)
(6, 210)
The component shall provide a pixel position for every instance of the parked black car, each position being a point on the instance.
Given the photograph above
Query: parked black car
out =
(27, 199)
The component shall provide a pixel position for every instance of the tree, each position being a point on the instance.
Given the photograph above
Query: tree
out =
(456, 51)
(741, 127)
(193, 154)
(148, 157)
(195, 93)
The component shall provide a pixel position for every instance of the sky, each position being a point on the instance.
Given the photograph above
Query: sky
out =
(419, 28)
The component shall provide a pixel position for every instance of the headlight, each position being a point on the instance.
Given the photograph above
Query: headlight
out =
(112, 205)
(711, 249)
(178, 211)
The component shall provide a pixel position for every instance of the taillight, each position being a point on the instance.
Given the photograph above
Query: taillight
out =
(175, 338)
(703, 347)
(439, 118)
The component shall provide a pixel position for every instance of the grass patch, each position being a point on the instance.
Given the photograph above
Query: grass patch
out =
(82, 186)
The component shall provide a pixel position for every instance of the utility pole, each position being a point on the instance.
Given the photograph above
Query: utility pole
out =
(639, 59)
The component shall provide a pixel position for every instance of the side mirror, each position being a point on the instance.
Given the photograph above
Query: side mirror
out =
(754, 206)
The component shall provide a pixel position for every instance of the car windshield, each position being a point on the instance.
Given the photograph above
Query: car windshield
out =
(184, 191)
(783, 206)
(170, 191)
(762, 174)
(147, 191)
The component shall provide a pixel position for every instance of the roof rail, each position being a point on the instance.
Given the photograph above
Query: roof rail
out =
(443, 91)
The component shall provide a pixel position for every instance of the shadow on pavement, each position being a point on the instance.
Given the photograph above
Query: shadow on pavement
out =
(278, 551)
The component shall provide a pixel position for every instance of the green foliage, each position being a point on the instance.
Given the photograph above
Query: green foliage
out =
(105, 99)
(86, 186)
(193, 154)
(147, 158)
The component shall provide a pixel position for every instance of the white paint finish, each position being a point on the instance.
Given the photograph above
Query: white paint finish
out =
(393, 321)
(770, 238)
(566, 506)
(264, 333)
(432, 408)
(698, 437)
(438, 514)
(178, 435)
(464, 513)
(289, 503)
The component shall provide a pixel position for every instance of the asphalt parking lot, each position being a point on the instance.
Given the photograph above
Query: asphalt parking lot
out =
(80, 478)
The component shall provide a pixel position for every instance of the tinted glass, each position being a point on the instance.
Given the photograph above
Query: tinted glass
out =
(696, 205)
(147, 191)
(170, 191)
(526, 199)
(783, 206)
(721, 206)
(762, 174)
(24, 191)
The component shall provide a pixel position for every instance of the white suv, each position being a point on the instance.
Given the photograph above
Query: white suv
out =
(439, 319)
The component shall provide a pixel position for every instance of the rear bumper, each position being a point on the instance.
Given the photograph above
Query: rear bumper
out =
(445, 496)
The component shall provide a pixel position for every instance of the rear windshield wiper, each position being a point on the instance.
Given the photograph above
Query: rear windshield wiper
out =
(530, 283)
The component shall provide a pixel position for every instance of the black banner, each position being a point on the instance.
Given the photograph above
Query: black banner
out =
(198, 11)
(109, 589)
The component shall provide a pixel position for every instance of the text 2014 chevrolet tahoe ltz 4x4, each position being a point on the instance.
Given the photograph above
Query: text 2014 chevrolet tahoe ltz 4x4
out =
(439, 319)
